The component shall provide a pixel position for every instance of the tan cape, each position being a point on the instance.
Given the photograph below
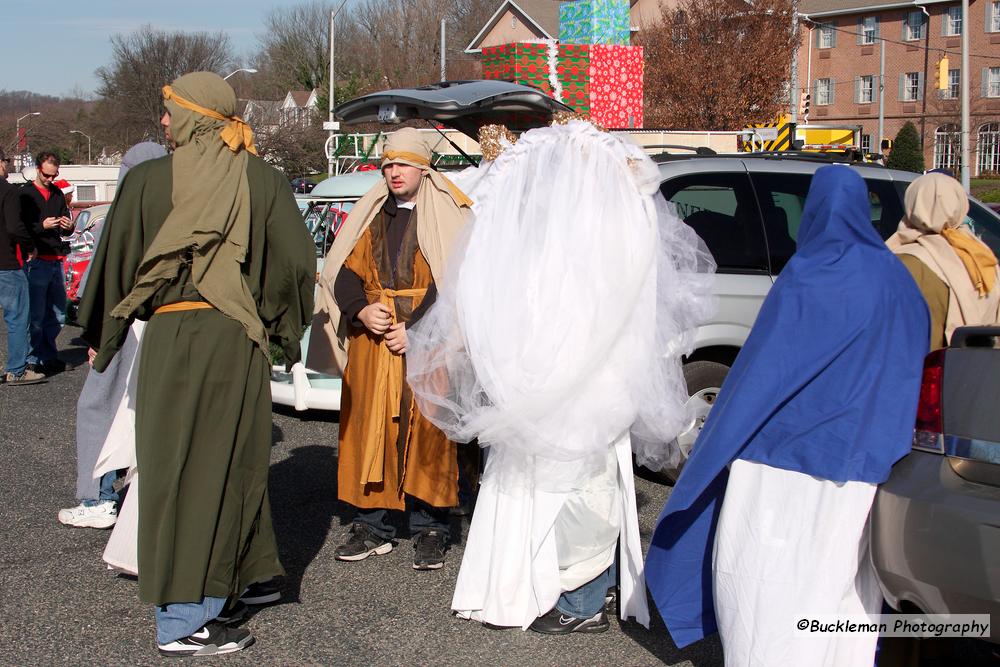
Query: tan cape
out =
(377, 466)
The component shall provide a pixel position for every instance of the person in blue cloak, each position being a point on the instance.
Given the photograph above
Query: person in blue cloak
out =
(767, 524)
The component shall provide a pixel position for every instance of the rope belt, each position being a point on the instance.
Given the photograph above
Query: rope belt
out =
(178, 306)
(388, 388)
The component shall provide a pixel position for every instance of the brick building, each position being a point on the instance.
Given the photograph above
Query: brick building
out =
(840, 60)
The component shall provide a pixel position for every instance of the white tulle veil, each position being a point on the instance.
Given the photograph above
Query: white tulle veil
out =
(565, 310)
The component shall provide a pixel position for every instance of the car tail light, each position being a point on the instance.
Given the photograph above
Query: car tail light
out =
(929, 426)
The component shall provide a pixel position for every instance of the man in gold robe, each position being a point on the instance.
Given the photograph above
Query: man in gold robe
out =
(208, 246)
(381, 273)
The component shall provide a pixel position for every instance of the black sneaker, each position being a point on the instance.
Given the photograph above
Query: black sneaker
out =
(232, 613)
(264, 592)
(362, 543)
(213, 639)
(430, 550)
(53, 367)
(557, 623)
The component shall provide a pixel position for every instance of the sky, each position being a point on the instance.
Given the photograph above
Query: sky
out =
(53, 48)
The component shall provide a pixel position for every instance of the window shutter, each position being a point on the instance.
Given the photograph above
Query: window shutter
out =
(857, 90)
(861, 31)
(878, 27)
(906, 25)
(833, 87)
(946, 23)
(985, 88)
(902, 87)
(989, 17)
(819, 37)
(833, 37)
(920, 85)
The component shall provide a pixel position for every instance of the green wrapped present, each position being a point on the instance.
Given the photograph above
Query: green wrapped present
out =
(526, 63)
(595, 22)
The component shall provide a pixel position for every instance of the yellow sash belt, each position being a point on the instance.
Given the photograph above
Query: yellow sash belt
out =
(388, 389)
(178, 306)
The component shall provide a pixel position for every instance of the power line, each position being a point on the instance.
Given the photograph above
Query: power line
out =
(912, 44)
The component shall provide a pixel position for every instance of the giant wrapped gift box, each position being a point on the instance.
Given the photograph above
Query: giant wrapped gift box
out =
(595, 22)
(603, 81)
(523, 62)
(573, 72)
(616, 87)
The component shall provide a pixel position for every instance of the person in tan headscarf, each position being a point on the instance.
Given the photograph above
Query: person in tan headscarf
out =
(956, 272)
(208, 247)
(378, 279)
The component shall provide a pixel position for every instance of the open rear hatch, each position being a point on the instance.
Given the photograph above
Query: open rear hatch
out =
(463, 105)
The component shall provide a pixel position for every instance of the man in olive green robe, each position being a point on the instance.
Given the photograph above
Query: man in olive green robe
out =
(207, 244)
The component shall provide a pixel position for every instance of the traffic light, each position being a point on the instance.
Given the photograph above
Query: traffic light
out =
(804, 106)
(943, 83)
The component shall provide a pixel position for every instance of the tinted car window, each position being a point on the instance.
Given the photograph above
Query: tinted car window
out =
(985, 224)
(721, 209)
(782, 198)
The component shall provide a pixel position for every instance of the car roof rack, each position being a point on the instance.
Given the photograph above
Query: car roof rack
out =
(697, 150)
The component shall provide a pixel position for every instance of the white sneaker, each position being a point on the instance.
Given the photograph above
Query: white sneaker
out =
(101, 515)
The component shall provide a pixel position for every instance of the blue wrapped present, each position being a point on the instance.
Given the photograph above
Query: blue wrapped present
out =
(595, 22)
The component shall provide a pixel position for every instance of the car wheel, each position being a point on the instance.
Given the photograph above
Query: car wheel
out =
(704, 380)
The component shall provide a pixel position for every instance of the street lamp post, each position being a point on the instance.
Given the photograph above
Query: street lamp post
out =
(248, 70)
(88, 142)
(331, 126)
(17, 134)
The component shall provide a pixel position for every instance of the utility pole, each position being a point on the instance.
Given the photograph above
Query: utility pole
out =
(881, 92)
(444, 67)
(793, 85)
(966, 183)
(331, 126)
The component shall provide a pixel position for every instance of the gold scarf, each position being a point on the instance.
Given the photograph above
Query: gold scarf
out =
(978, 259)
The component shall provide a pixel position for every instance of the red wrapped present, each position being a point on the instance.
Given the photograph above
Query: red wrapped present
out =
(616, 88)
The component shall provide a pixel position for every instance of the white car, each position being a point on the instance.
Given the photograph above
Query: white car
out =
(329, 203)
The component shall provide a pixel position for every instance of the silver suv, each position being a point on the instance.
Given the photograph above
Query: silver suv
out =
(747, 209)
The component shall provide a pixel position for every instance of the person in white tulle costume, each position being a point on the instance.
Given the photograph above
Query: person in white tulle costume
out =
(556, 342)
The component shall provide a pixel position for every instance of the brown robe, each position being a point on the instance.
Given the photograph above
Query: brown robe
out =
(383, 458)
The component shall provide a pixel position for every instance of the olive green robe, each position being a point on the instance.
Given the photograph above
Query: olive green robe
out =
(203, 406)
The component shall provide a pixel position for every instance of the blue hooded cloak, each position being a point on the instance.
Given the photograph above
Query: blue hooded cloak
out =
(826, 385)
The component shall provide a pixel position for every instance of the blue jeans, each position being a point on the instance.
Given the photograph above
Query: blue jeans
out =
(14, 302)
(47, 293)
(107, 492)
(421, 516)
(587, 600)
(181, 619)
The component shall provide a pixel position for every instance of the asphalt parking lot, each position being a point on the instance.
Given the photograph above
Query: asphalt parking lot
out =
(60, 605)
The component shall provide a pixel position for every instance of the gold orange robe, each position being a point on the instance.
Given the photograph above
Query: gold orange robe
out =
(387, 448)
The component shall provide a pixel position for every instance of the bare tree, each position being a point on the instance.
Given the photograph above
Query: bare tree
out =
(717, 64)
(142, 63)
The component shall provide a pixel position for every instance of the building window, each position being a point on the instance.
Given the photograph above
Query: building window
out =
(913, 26)
(989, 149)
(827, 39)
(909, 86)
(954, 84)
(869, 30)
(866, 143)
(824, 92)
(953, 22)
(947, 146)
(866, 89)
(993, 23)
(991, 82)
(86, 193)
